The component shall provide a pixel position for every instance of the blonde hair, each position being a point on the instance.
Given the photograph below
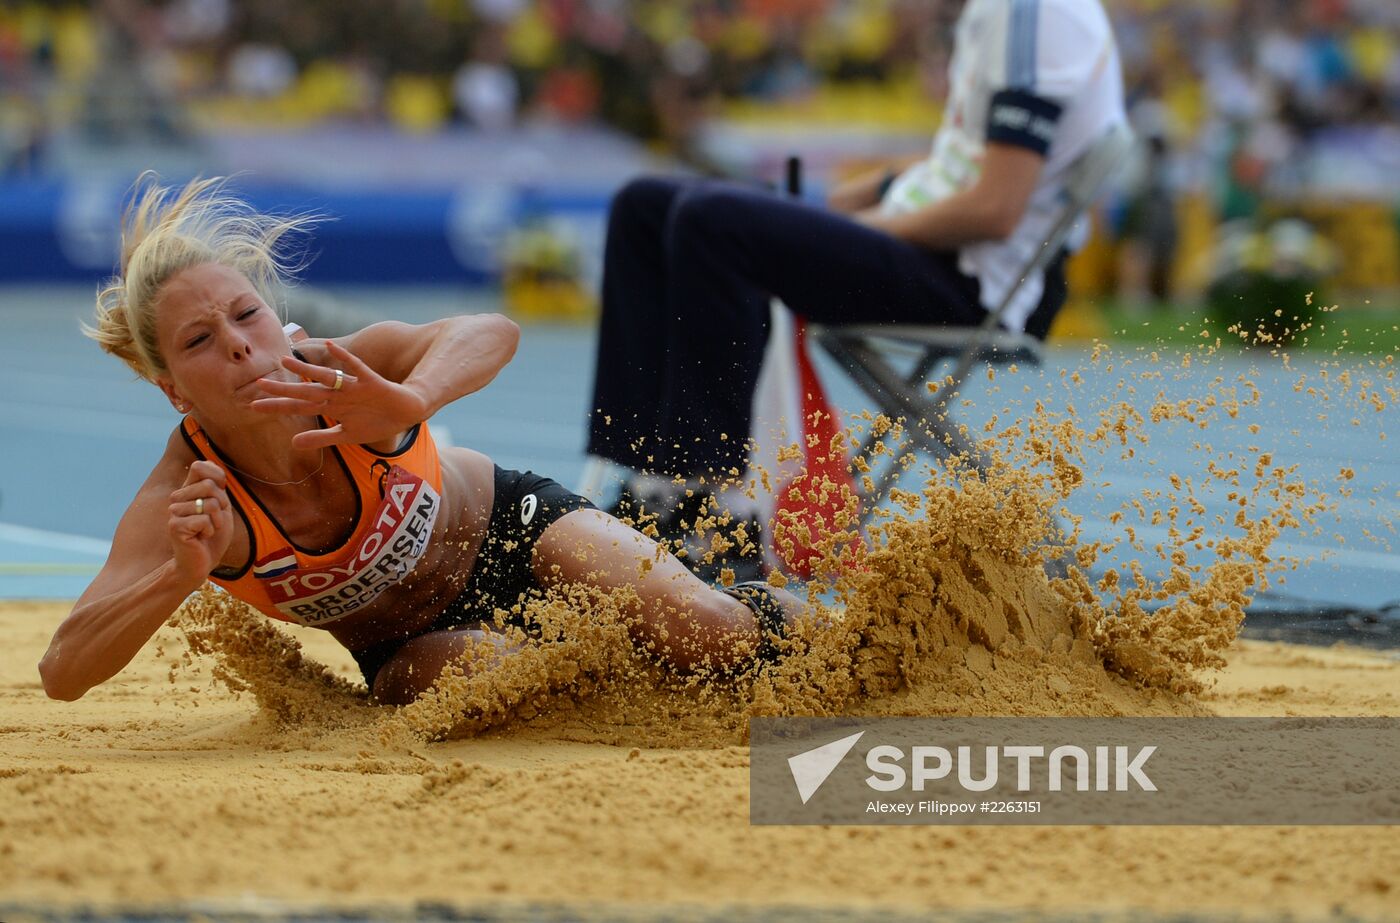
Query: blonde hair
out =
(165, 231)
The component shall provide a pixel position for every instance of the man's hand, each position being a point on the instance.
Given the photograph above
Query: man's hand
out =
(989, 209)
(864, 190)
(368, 407)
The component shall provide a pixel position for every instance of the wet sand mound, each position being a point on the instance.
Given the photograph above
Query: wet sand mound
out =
(202, 797)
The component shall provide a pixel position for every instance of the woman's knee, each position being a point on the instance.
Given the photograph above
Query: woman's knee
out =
(419, 663)
(709, 210)
(646, 198)
(395, 683)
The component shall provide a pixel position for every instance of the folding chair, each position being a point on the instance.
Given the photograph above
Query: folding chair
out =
(865, 351)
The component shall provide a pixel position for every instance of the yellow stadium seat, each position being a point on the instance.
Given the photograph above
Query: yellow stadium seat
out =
(417, 104)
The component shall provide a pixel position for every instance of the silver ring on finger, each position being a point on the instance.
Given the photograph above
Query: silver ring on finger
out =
(199, 506)
(339, 380)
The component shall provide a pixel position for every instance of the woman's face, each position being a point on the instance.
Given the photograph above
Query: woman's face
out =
(217, 338)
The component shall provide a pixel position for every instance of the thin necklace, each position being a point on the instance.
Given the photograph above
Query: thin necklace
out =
(283, 483)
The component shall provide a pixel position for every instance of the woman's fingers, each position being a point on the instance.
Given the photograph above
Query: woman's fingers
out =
(202, 488)
(306, 390)
(320, 438)
(351, 361)
(203, 470)
(200, 516)
(200, 506)
(288, 405)
(321, 376)
(324, 375)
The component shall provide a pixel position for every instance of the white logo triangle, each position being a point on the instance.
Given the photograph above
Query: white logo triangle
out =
(811, 769)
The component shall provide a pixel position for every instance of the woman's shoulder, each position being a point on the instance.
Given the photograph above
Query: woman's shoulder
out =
(148, 509)
(173, 465)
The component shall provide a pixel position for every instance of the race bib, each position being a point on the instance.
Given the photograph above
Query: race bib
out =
(403, 523)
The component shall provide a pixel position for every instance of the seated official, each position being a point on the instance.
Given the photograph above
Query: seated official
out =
(691, 264)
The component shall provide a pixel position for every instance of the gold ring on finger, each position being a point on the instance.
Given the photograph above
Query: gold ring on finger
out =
(339, 380)
(199, 506)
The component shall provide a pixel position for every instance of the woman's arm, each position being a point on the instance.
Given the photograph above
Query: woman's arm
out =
(395, 375)
(164, 547)
(441, 361)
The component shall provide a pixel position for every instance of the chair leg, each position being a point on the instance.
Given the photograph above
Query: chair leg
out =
(926, 364)
(896, 393)
(882, 482)
(878, 379)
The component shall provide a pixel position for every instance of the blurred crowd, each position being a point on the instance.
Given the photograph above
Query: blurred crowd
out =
(651, 67)
(1248, 98)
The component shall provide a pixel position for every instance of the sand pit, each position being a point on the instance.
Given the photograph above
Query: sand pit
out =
(147, 792)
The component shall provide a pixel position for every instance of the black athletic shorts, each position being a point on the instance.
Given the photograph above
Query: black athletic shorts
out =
(524, 506)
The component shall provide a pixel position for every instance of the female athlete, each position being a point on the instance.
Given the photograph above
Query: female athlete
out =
(304, 481)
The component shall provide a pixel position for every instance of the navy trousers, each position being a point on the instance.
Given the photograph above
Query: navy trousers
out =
(689, 268)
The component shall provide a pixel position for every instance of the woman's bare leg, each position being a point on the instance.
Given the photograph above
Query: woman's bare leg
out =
(416, 666)
(686, 621)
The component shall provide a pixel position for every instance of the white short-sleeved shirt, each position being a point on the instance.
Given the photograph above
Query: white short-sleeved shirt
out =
(1040, 74)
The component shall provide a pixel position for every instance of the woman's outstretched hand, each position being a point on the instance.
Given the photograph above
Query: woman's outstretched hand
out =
(367, 407)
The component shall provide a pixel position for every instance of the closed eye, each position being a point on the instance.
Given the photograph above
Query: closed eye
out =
(195, 341)
(248, 313)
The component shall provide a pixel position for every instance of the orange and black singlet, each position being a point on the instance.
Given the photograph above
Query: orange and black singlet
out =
(397, 495)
